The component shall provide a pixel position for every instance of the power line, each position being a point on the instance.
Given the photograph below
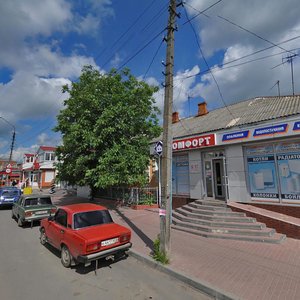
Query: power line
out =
(210, 71)
(127, 30)
(253, 33)
(245, 56)
(132, 35)
(200, 12)
(141, 49)
(155, 54)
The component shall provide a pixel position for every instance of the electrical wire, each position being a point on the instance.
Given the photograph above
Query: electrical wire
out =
(253, 33)
(141, 49)
(155, 54)
(132, 35)
(245, 56)
(206, 63)
(126, 31)
(200, 12)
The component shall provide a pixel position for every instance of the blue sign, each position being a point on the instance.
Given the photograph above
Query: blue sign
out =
(296, 126)
(282, 128)
(235, 135)
(158, 148)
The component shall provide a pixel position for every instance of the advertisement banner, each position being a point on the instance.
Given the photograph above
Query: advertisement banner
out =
(262, 177)
(289, 175)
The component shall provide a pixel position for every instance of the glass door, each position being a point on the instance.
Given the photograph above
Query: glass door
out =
(219, 178)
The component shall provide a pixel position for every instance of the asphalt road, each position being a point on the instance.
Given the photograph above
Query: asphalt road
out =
(29, 270)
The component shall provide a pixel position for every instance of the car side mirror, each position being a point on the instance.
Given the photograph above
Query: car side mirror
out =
(51, 218)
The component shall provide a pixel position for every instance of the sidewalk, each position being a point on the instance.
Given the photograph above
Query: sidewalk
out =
(238, 269)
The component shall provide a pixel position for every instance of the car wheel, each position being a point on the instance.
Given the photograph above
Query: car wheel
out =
(66, 258)
(43, 237)
(20, 222)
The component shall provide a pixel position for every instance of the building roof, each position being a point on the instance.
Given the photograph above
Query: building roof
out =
(28, 154)
(239, 114)
(47, 148)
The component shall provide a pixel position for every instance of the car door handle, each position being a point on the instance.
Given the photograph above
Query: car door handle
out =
(62, 231)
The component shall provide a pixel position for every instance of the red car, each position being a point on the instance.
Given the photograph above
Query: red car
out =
(84, 232)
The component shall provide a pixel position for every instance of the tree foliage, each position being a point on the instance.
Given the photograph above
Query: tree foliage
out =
(106, 125)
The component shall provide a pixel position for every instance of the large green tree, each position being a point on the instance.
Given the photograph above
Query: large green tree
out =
(107, 124)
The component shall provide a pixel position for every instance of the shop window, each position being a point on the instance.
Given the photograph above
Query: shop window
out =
(262, 172)
(180, 175)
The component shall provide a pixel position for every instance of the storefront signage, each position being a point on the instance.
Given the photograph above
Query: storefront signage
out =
(262, 175)
(296, 126)
(194, 142)
(270, 130)
(289, 175)
(235, 135)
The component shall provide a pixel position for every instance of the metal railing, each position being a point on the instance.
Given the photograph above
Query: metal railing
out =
(134, 196)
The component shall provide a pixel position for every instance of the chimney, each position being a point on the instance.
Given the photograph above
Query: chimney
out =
(202, 109)
(175, 117)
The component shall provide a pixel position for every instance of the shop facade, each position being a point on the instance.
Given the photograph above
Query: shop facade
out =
(251, 164)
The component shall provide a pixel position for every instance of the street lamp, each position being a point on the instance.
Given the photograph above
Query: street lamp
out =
(13, 138)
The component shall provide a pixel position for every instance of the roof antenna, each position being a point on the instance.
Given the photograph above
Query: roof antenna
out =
(278, 87)
(289, 59)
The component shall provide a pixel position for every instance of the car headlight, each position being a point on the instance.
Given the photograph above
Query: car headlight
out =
(2, 198)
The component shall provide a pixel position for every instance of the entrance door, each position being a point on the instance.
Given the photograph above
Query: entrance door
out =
(219, 178)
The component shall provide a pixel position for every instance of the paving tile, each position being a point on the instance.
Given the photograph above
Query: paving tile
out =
(249, 270)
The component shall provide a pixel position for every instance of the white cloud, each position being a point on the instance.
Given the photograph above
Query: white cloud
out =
(275, 21)
(28, 96)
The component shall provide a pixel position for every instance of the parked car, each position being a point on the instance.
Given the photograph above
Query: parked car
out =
(32, 207)
(83, 233)
(9, 195)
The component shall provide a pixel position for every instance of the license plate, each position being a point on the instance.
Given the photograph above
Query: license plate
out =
(109, 242)
(9, 199)
(41, 212)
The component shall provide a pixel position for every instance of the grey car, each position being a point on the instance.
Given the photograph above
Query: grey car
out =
(32, 207)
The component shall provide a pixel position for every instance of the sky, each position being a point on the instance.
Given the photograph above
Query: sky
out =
(226, 51)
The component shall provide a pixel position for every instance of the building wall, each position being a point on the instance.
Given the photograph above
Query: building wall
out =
(195, 174)
(237, 181)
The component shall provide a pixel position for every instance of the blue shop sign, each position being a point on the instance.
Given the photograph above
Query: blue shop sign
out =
(235, 135)
(282, 128)
(296, 126)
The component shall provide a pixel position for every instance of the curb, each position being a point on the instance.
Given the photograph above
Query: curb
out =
(204, 287)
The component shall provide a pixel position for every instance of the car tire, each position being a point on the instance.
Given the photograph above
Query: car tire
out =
(20, 222)
(66, 258)
(43, 237)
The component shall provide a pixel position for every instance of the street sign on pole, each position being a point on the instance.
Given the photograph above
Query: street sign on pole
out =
(158, 148)
(8, 169)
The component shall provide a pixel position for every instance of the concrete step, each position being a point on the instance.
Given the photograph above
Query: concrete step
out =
(224, 230)
(276, 238)
(217, 203)
(212, 212)
(208, 207)
(217, 223)
(232, 217)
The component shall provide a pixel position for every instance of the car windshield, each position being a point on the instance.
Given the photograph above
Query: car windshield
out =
(10, 193)
(45, 201)
(30, 202)
(91, 218)
(38, 201)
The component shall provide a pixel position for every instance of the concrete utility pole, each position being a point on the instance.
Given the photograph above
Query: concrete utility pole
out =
(13, 138)
(166, 184)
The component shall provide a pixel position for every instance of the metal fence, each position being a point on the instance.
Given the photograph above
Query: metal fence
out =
(134, 196)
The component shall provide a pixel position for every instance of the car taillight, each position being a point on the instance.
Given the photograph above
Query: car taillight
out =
(28, 213)
(92, 247)
(124, 238)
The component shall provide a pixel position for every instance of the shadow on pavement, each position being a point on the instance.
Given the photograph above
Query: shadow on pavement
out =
(139, 232)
